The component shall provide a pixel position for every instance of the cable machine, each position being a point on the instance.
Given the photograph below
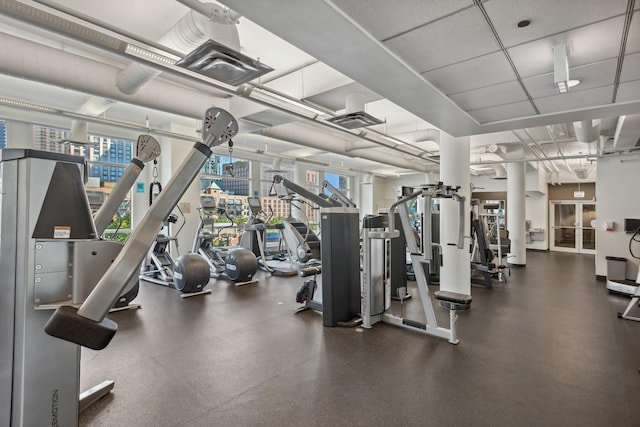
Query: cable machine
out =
(376, 288)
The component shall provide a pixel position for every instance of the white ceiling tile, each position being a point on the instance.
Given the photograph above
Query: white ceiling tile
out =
(503, 112)
(575, 100)
(547, 16)
(630, 68)
(629, 91)
(490, 96)
(456, 38)
(588, 44)
(590, 76)
(479, 72)
(384, 18)
(271, 117)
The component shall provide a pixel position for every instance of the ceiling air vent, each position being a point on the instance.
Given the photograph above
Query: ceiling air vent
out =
(355, 120)
(221, 63)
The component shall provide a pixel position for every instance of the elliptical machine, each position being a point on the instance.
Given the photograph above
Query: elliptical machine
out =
(233, 263)
(254, 239)
(189, 273)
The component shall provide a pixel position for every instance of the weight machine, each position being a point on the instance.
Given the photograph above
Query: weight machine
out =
(52, 259)
(635, 297)
(376, 288)
(300, 239)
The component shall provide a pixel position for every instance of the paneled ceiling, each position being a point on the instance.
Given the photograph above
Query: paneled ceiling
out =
(462, 66)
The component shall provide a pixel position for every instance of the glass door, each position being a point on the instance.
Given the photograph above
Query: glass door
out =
(571, 227)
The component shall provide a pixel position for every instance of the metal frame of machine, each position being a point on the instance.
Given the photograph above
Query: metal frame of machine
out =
(376, 289)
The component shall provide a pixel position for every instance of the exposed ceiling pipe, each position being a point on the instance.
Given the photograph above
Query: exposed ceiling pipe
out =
(91, 77)
(59, 25)
(543, 154)
(500, 172)
(310, 137)
(188, 33)
(560, 153)
(224, 16)
(497, 150)
(528, 147)
(587, 131)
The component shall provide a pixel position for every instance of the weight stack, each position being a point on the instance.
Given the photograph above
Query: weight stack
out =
(340, 250)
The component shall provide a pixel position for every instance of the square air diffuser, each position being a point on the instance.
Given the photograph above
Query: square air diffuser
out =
(355, 120)
(221, 63)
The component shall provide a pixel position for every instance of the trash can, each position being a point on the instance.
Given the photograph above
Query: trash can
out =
(616, 268)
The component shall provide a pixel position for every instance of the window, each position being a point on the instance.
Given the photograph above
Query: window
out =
(3, 134)
(107, 159)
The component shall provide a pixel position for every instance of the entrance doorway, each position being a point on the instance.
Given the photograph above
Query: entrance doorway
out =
(571, 229)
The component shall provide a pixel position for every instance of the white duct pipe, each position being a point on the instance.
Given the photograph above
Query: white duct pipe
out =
(189, 32)
(418, 139)
(62, 69)
(497, 150)
(65, 70)
(354, 102)
(313, 138)
(501, 172)
(587, 131)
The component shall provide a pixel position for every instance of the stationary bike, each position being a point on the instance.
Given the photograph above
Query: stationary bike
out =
(226, 262)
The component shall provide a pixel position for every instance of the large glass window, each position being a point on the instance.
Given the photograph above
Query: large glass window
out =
(107, 159)
(3, 134)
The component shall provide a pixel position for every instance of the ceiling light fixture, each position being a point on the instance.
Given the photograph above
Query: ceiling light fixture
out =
(221, 63)
(561, 69)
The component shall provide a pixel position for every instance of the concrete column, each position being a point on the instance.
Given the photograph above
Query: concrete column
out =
(455, 274)
(366, 196)
(140, 194)
(300, 178)
(173, 153)
(515, 215)
(255, 184)
(19, 135)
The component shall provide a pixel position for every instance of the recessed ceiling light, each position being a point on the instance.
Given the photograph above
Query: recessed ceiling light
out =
(524, 23)
(572, 83)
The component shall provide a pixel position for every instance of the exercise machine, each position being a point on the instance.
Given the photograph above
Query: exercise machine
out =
(617, 282)
(88, 324)
(635, 297)
(307, 291)
(254, 239)
(302, 241)
(375, 285)
(147, 149)
(189, 273)
(232, 263)
(51, 255)
(336, 195)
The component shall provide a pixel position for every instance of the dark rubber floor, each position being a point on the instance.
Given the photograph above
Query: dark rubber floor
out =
(544, 349)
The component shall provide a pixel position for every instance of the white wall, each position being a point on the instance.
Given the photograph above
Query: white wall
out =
(536, 209)
(617, 198)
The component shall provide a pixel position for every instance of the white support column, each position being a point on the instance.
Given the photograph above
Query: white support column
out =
(140, 199)
(455, 273)
(366, 196)
(300, 178)
(255, 184)
(515, 215)
(19, 135)
(173, 153)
